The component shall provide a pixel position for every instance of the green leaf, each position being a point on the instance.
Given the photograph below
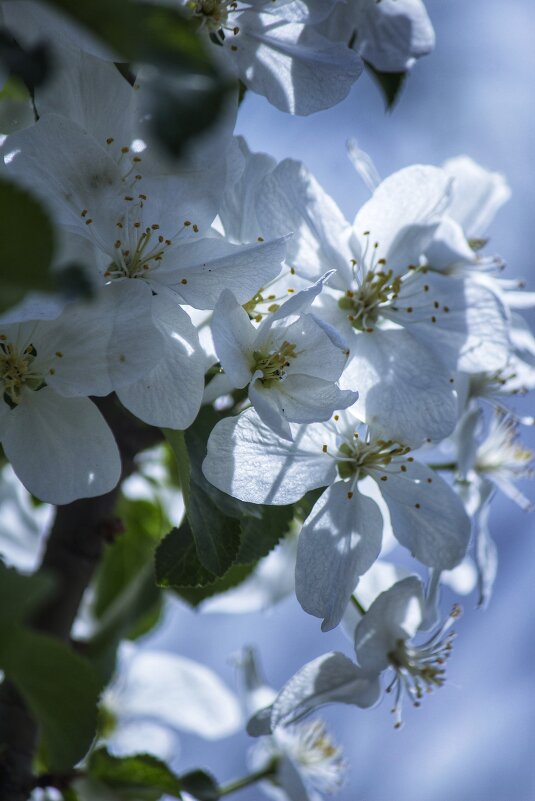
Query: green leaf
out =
(390, 83)
(260, 535)
(178, 445)
(127, 601)
(177, 563)
(60, 688)
(217, 537)
(20, 594)
(136, 777)
(234, 576)
(26, 245)
(201, 785)
(190, 91)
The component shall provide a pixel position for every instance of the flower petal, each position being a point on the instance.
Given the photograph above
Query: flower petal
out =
(340, 540)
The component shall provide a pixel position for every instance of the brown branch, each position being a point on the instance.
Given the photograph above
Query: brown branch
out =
(74, 548)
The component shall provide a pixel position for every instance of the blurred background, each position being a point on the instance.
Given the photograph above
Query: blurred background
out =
(473, 740)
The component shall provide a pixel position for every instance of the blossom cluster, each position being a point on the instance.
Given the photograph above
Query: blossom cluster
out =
(371, 362)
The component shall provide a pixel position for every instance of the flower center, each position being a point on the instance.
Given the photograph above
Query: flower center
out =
(319, 758)
(16, 371)
(420, 668)
(363, 304)
(356, 458)
(144, 254)
(273, 365)
(212, 13)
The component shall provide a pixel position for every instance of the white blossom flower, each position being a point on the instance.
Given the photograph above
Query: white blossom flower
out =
(290, 362)
(55, 438)
(408, 328)
(389, 34)
(383, 640)
(304, 760)
(277, 51)
(341, 538)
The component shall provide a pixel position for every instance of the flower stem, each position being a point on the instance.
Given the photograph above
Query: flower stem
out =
(357, 604)
(246, 781)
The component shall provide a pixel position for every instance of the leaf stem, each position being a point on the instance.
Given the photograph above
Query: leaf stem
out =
(246, 781)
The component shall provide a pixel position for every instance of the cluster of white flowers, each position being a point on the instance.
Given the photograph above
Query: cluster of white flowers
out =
(359, 358)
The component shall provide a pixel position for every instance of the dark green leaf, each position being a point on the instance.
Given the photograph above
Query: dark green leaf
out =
(201, 785)
(141, 32)
(20, 595)
(141, 776)
(31, 64)
(26, 245)
(60, 688)
(260, 535)
(217, 537)
(234, 576)
(177, 563)
(390, 83)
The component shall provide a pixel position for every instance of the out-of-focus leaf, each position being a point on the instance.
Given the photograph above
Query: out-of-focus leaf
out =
(31, 65)
(60, 688)
(201, 785)
(140, 777)
(26, 245)
(390, 83)
(127, 601)
(189, 91)
(20, 594)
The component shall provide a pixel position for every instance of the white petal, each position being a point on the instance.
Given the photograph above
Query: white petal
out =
(395, 615)
(293, 65)
(402, 216)
(61, 448)
(477, 194)
(340, 540)
(170, 394)
(393, 32)
(404, 390)
(464, 322)
(292, 200)
(331, 678)
(248, 460)
(175, 691)
(234, 337)
(211, 265)
(427, 516)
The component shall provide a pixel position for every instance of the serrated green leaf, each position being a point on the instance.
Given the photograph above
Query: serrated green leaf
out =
(234, 576)
(60, 688)
(26, 245)
(136, 777)
(260, 535)
(201, 785)
(177, 563)
(390, 83)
